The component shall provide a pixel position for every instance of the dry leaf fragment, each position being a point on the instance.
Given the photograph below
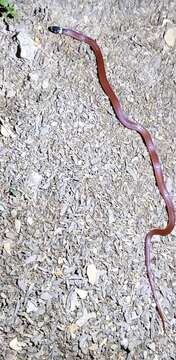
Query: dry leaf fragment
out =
(93, 347)
(92, 273)
(37, 41)
(58, 273)
(72, 328)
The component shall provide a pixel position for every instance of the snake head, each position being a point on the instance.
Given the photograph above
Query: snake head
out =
(55, 29)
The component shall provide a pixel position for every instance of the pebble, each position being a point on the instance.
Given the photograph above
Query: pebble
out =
(16, 345)
(72, 328)
(44, 130)
(33, 76)
(111, 216)
(45, 83)
(22, 284)
(6, 132)
(85, 317)
(26, 45)
(3, 207)
(31, 307)
(60, 260)
(169, 185)
(73, 301)
(29, 220)
(30, 259)
(170, 36)
(10, 235)
(17, 225)
(58, 231)
(46, 296)
(92, 273)
(7, 247)
(82, 293)
(151, 346)
(11, 93)
(124, 343)
(14, 213)
(35, 180)
(83, 344)
(145, 354)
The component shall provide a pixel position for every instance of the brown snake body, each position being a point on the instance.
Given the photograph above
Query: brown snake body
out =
(149, 145)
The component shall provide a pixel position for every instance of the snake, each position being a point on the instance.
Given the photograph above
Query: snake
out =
(147, 139)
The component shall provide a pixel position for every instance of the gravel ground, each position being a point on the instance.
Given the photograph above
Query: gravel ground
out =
(77, 189)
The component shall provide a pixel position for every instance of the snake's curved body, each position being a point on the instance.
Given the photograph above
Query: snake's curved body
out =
(149, 145)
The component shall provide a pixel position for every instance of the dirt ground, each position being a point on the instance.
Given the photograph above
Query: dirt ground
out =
(77, 191)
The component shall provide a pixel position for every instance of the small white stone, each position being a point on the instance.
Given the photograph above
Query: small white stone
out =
(17, 225)
(111, 216)
(29, 220)
(45, 83)
(7, 247)
(60, 260)
(128, 299)
(11, 93)
(44, 130)
(92, 273)
(34, 76)
(14, 213)
(31, 307)
(152, 346)
(27, 46)
(10, 235)
(2, 207)
(35, 179)
(6, 131)
(16, 345)
(74, 301)
(94, 250)
(58, 231)
(82, 293)
(169, 185)
(124, 343)
(170, 36)
(85, 317)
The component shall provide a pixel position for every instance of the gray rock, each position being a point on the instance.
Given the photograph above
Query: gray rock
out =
(27, 48)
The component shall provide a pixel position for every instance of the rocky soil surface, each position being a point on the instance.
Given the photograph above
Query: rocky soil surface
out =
(77, 191)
